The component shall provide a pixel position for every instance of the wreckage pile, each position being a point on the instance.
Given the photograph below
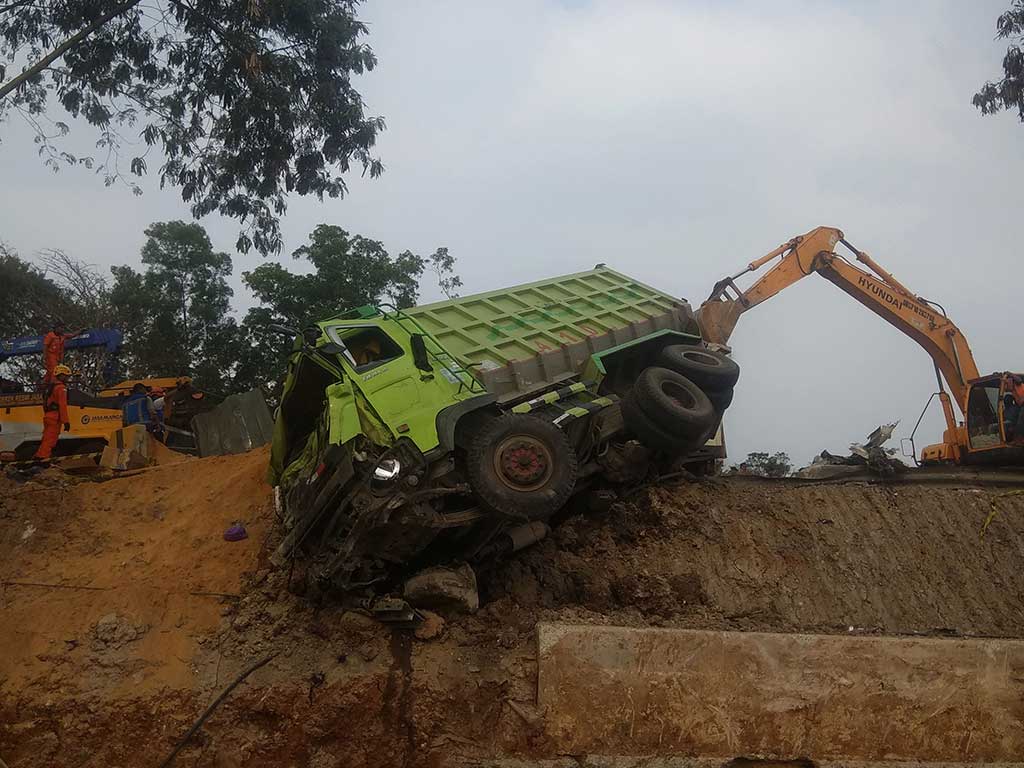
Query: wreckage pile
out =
(127, 611)
(871, 455)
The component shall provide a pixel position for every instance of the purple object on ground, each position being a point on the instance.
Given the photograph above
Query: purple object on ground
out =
(236, 532)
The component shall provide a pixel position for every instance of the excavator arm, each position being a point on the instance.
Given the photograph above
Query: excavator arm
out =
(922, 320)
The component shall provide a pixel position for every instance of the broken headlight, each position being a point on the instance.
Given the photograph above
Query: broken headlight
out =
(387, 469)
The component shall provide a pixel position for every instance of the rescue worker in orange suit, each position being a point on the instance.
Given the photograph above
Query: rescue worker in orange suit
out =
(53, 348)
(55, 411)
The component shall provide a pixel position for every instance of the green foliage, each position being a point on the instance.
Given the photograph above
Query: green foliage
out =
(175, 315)
(247, 101)
(34, 296)
(348, 271)
(443, 266)
(30, 301)
(765, 465)
(1008, 92)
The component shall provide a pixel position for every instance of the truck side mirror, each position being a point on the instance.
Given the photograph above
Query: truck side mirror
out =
(419, 352)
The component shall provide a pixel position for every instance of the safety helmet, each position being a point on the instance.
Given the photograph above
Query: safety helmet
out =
(61, 370)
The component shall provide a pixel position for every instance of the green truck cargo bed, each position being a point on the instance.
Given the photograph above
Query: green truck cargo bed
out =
(522, 339)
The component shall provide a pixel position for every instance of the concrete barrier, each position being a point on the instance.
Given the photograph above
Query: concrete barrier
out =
(658, 692)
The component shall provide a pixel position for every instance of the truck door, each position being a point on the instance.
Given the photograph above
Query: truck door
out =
(384, 377)
(380, 364)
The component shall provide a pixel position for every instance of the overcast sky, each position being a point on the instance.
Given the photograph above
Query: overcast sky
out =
(675, 141)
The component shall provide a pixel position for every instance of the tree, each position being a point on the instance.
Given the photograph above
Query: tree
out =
(443, 266)
(85, 290)
(175, 315)
(349, 271)
(64, 287)
(31, 299)
(248, 100)
(764, 465)
(1008, 92)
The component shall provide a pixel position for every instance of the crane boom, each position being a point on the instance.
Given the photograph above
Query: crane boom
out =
(922, 320)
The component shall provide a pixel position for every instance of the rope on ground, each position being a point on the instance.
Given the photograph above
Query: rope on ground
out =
(992, 514)
(51, 586)
(210, 709)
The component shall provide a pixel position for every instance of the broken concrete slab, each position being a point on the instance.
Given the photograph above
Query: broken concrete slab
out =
(129, 448)
(615, 690)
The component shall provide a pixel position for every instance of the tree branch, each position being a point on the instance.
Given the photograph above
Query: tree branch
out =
(12, 6)
(64, 47)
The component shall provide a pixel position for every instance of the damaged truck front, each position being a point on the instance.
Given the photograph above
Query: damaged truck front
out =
(455, 430)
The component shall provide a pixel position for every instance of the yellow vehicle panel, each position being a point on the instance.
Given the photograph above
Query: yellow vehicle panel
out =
(21, 424)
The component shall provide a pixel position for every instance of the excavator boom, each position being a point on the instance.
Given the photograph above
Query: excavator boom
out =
(923, 321)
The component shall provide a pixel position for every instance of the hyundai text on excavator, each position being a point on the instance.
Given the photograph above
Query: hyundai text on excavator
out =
(981, 437)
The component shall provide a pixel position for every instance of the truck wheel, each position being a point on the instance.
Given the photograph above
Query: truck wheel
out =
(711, 371)
(674, 403)
(650, 433)
(522, 466)
(720, 400)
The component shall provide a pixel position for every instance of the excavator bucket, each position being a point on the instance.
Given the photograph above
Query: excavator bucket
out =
(717, 319)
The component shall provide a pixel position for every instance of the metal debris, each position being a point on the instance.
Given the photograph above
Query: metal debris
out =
(870, 455)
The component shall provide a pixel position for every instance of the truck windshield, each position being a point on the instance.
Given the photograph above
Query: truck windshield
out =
(366, 347)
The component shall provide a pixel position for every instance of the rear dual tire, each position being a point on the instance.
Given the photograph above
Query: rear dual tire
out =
(668, 412)
(711, 371)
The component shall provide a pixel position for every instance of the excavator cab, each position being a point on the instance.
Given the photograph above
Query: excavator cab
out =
(992, 419)
(986, 435)
(985, 428)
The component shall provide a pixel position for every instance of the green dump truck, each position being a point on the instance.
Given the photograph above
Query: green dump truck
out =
(455, 430)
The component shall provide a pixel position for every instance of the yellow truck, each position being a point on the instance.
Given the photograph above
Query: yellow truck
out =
(94, 416)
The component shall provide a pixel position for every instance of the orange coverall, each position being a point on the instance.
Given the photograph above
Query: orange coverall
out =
(53, 352)
(55, 413)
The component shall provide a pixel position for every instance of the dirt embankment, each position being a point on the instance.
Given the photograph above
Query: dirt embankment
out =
(756, 555)
(112, 676)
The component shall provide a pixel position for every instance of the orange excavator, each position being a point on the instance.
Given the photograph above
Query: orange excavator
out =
(981, 436)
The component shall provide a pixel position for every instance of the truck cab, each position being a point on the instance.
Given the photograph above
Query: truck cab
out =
(367, 372)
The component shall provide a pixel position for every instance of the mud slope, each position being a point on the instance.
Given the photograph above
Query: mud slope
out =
(112, 676)
(743, 554)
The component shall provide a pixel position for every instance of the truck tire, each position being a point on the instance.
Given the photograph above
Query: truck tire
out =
(674, 403)
(648, 432)
(522, 466)
(711, 371)
(720, 400)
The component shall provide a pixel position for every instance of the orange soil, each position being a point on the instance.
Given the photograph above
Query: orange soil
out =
(145, 545)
